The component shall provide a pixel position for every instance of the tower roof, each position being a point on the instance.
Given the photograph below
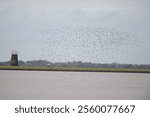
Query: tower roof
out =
(14, 52)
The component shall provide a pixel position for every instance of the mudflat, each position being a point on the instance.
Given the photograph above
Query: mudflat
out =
(73, 85)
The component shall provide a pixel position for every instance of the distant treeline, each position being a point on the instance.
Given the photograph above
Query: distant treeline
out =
(77, 64)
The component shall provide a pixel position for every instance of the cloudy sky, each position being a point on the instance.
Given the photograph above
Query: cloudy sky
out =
(103, 31)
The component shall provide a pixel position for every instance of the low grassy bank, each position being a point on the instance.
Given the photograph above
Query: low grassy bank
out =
(75, 69)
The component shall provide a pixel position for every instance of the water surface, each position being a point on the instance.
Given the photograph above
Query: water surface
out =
(73, 85)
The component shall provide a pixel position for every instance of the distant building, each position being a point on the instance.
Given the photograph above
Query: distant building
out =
(14, 58)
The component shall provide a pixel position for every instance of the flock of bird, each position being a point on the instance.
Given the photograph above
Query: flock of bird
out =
(85, 44)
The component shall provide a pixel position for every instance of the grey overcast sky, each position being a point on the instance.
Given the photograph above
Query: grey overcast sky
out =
(99, 31)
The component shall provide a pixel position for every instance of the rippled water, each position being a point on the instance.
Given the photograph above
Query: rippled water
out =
(73, 85)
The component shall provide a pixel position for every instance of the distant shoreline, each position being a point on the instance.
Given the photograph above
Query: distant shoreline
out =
(74, 69)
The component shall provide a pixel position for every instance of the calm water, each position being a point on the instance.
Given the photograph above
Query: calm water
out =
(73, 85)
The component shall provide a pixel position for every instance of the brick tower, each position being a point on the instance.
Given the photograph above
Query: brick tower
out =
(14, 58)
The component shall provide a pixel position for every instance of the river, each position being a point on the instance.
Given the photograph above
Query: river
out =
(51, 85)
